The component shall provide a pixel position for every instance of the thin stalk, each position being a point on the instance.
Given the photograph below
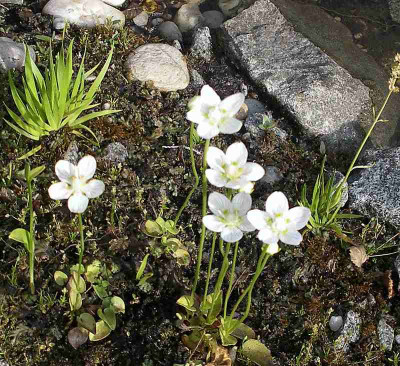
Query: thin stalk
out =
(221, 276)
(31, 239)
(231, 277)
(260, 266)
(81, 247)
(209, 267)
(196, 176)
(376, 120)
(203, 213)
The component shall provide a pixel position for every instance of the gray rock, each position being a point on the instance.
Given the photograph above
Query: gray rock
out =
(142, 19)
(397, 339)
(3, 363)
(374, 191)
(350, 332)
(213, 18)
(12, 54)
(196, 79)
(272, 175)
(157, 21)
(116, 153)
(335, 323)
(394, 8)
(271, 42)
(16, 2)
(254, 119)
(188, 17)
(282, 134)
(72, 153)
(386, 334)
(177, 45)
(254, 106)
(159, 63)
(202, 45)
(169, 31)
(232, 7)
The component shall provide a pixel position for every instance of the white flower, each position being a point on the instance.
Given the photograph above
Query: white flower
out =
(231, 170)
(76, 184)
(229, 218)
(277, 222)
(213, 115)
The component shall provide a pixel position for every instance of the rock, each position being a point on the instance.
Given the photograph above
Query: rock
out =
(83, 13)
(335, 323)
(272, 175)
(386, 334)
(270, 41)
(157, 21)
(394, 8)
(188, 17)
(213, 18)
(72, 153)
(169, 31)
(114, 2)
(142, 19)
(177, 45)
(12, 54)
(197, 80)
(16, 2)
(116, 153)
(202, 46)
(231, 8)
(397, 338)
(350, 332)
(374, 191)
(162, 64)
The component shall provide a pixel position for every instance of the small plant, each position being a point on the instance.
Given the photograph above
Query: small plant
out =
(27, 238)
(50, 102)
(83, 311)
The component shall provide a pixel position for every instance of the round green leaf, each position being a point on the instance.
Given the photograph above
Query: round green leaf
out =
(75, 299)
(77, 283)
(102, 331)
(87, 321)
(118, 304)
(151, 228)
(77, 336)
(61, 278)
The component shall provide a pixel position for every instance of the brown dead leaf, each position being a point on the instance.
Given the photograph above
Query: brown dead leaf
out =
(220, 357)
(358, 255)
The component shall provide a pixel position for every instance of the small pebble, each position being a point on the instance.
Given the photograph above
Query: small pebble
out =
(335, 323)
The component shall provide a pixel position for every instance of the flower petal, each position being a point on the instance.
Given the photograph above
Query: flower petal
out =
(207, 131)
(218, 203)
(291, 237)
(215, 158)
(196, 116)
(242, 203)
(258, 219)
(232, 104)
(209, 96)
(267, 236)
(60, 191)
(230, 125)
(298, 217)
(94, 188)
(86, 167)
(237, 154)
(211, 222)
(276, 204)
(273, 248)
(65, 171)
(78, 203)
(215, 178)
(239, 183)
(231, 234)
(253, 171)
(246, 225)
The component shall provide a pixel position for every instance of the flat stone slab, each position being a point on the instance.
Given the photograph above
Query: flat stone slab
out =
(375, 191)
(271, 42)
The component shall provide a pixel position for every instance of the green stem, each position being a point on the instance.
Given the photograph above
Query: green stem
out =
(196, 176)
(221, 276)
(81, 247)
(262, 260)
(376, 120)
(31, 239)
(209, 267)
(231, 277)
(203, 213)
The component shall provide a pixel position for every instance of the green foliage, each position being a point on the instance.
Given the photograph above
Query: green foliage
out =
(87, 326)
(325, 203)
(50, 102)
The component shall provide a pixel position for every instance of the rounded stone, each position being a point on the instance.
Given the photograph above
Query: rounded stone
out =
(12, 54)
(161, 64)
(188, 17)
(213, 18)
(335, 323)
(169, 31)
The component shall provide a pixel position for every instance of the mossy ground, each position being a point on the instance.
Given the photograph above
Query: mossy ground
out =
(293, 297)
